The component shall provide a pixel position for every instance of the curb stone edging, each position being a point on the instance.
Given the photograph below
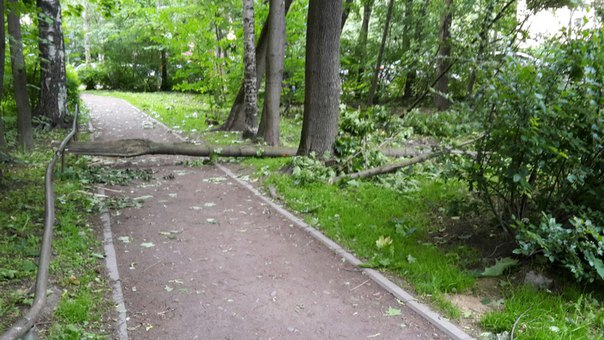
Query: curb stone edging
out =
(423, 310)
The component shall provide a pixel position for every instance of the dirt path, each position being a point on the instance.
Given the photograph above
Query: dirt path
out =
(204, 259)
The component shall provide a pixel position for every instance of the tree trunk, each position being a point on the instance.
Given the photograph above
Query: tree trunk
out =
(274, 73)
(236, 119)
(249, 72)
(2, 60)
(322, 78)
(483, 37)
(376, 72)
(53, 79)
(444, 54)
(345, 13)
(86, 18)
(417, 35)
(165, 81)
(408, 27)
(362, 40)
(24, 127)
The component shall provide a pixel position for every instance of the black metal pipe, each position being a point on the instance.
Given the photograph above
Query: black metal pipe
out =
(25, 323)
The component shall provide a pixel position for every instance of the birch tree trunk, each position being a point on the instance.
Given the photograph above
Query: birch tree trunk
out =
(236, 118)
(2, 57)
(322, 78)
(24, 127)
(269, 124)
(444, 55)
(249, 72)
(53, 79)
(376, 72)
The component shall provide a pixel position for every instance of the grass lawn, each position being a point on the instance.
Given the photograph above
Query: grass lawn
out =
(422, 226)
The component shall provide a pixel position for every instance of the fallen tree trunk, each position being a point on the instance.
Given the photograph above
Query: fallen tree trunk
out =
(388, 168)
(139, 147)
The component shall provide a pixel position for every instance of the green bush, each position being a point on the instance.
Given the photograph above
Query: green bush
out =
(73, 88)
(542, 154)
(89, 76)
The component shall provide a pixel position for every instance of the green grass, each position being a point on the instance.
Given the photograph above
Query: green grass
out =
(544, 315)
(356, 216)
(75, 270)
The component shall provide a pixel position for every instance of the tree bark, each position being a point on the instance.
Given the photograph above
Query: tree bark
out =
(165, 81)
(417, 35)
(236, 119)
(53, 78)
(3, 145)
(444, 55)
(376, 72)
(139, 147)
(86, 19)
(24, 126)
(322, 78)
(483, 38)
(269, 124)
(249, 72)
(345, 13)
(362, 40)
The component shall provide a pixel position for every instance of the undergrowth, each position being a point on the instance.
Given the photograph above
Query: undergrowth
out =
(76, 268)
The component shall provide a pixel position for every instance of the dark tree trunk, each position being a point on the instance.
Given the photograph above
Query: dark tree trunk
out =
(53, 79)
(345, 13)
(2, 57)
(483, 37)
(408, 24)
(419, 30)
(376, 72)
(322, 78)
(236, 119)
(362, 40)
(165, 81)
(269, 124)
(444, 55)
(24, 127)
(249, 72)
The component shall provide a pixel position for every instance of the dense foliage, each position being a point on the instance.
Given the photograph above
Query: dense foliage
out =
(540, 165)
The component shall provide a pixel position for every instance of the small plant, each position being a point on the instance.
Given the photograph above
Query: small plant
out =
(309, 170)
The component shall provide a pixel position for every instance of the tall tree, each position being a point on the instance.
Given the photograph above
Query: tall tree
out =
(2, 57)
(249, 72)
(483, 41)
(269, 124)
(418, 31)
(322, 78)
(376, 72)
(236, 118)
(362, 40)
(53, 79)
(444, 58)
(24, 127)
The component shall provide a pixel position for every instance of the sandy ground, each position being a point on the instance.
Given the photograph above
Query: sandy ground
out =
(203, 259)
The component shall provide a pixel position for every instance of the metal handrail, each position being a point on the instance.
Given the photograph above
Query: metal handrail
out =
(26, 322)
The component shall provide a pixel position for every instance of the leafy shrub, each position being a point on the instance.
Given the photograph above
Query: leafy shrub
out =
(73, 88)
(89, 76)
(543, 147)
(579, 248)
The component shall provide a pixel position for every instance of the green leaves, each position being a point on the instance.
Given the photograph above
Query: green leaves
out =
(499, 267)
